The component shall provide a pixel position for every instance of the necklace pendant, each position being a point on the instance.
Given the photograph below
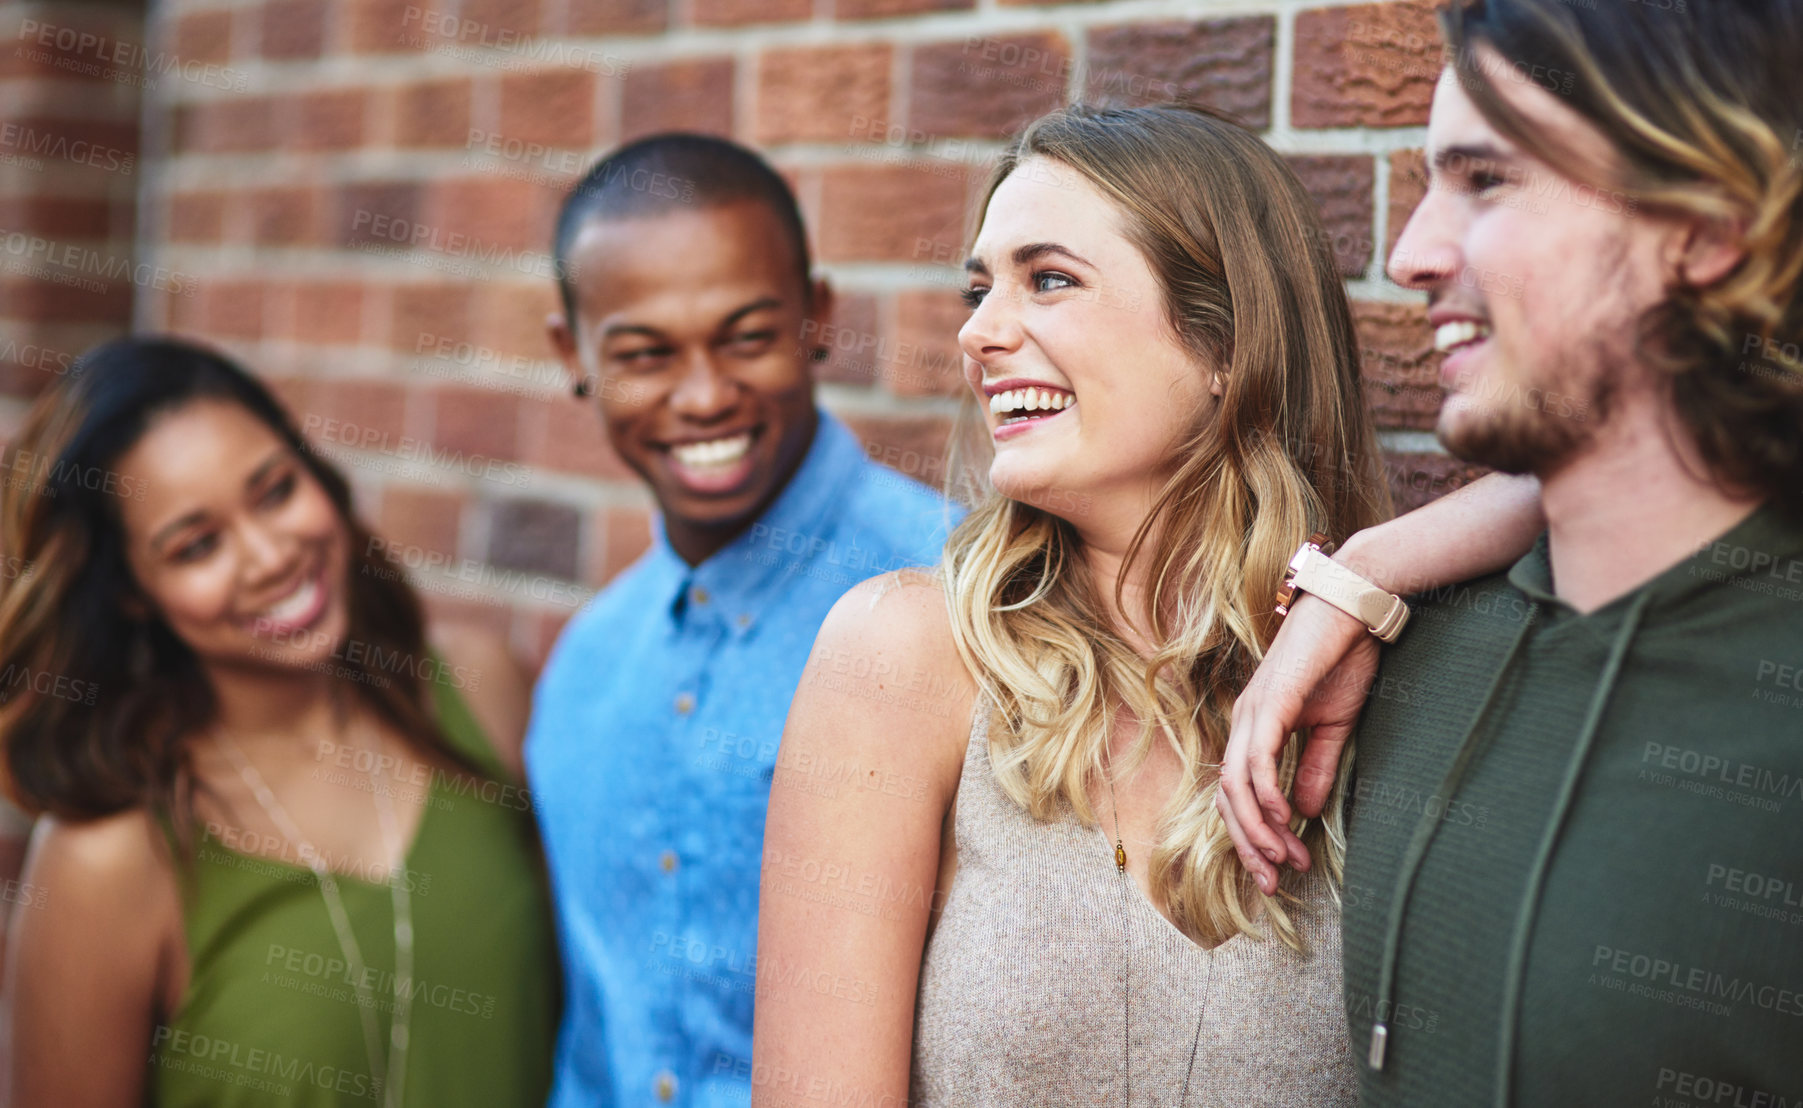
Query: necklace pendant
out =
(1120, 856)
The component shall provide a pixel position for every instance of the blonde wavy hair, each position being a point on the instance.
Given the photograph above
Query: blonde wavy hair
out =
(1699, 105)
(1251, 287)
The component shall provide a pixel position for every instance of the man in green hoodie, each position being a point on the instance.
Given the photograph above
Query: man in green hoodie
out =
(1575, 833)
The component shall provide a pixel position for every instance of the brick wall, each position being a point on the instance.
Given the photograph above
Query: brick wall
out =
(355, 196)
(70, 96)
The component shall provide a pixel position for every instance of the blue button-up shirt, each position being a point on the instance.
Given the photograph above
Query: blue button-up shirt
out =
(653, 739)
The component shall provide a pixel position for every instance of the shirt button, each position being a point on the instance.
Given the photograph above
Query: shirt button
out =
(699, 595)
(744, 621)
(667, 860)
(665, 1086)
(685, 703)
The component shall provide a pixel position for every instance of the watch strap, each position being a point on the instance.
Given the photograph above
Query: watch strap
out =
(1384, 613)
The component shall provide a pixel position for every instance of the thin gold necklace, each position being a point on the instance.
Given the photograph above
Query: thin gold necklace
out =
(393, 1075)
(1120, 865)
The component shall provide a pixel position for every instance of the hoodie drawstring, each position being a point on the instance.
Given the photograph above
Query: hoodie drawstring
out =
(1417, 850)
(1516, 967)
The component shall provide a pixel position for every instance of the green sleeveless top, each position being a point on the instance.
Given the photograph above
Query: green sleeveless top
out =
(271, 1014)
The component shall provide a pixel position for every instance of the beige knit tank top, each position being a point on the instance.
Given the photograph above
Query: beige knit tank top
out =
(1051, 981)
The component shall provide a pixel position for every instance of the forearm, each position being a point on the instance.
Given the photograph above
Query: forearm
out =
(1479, 529)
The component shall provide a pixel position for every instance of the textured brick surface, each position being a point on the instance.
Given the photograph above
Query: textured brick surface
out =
(1398, 364)
(694, 94)
(1341, 186)
(1416, 479)
(987, 86)
(719, 13)
(1370, 65)
(535, 536)
(1408, 184)
(293, 28)
(616, 17)
(349, 227)
(1224, 64)
(824, 94)
(885, 212)
(879, 9)
(434, 113)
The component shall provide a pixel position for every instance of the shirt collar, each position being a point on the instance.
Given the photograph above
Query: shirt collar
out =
(738, 580)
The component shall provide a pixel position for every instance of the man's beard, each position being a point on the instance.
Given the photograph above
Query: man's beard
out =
(1529, 427)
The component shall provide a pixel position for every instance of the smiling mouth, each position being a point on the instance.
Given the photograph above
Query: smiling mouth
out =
(1033, 402)
(714, 466)
(300, 609)
(1458, 334)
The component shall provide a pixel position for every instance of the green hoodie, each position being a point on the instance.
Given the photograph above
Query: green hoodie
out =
(1575, 842)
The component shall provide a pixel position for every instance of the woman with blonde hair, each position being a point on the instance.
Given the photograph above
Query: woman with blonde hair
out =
(994, 869)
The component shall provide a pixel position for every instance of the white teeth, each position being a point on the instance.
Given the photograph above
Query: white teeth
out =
(295, 605)
(1458, 333)
(716, 452)
(1030, 400)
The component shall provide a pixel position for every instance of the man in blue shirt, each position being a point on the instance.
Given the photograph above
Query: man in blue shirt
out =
(688, 306)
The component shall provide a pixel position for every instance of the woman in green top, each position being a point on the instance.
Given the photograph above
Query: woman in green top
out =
(279, 861)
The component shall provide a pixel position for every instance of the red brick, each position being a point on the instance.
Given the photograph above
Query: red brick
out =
(881, 9)
(565, 434)
(476, 422)
(446, 609)
(1416, 479)
(366, 406)
(285, 215)
(502, 21)
(434, 113)
(203, 36)
(722, 13)
(1397, 361)
(185, 314)
(386, 26)
(495, 212)
(97, 146)
(234, 310)
(441, 310)
(541, 632)
(627, 534)
(1408, 185)
(1223, 64)
(1369, 65)
(693, 94)
(986, 86)
(914, 445)
(422, 518)
(555, 107)
(362, 206)
(884, 213)
(331, 120)
(925, 359)
(821, 93)
(58, 217)
(594, 18)
(848, 359)
(226, 126)
(328, 312)
(510, 320)
(1342, 186)
(294, 28)
(535, 536)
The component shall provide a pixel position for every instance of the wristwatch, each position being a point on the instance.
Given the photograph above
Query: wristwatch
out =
(1312, 571)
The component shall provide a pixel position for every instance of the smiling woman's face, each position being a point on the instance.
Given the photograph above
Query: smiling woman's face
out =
(233, 541)
(1086, 388)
